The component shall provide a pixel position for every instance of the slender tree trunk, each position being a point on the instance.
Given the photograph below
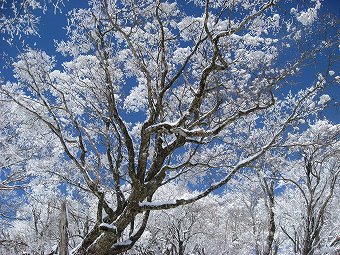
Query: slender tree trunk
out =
(63, 230)
(307, 245)
(268, 189)
(180, 248)
(257, 247)
(271, 227)
(275, 249)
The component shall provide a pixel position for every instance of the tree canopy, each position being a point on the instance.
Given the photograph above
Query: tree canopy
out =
(157, 124)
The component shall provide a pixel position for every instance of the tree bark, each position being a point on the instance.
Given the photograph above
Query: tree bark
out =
(63, 230)
(271, 227)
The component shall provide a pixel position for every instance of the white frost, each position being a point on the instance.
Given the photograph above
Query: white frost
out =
(331, 73)
(108, 226)
(137, 100)
(309, 16)
(324, 99)
(157, 203)
(180, 54)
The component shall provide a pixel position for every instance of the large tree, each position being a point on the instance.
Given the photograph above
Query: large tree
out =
(155, 93)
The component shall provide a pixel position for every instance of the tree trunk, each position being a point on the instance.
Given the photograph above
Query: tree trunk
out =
(180, 248)
(272, 227)
(63, 230)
